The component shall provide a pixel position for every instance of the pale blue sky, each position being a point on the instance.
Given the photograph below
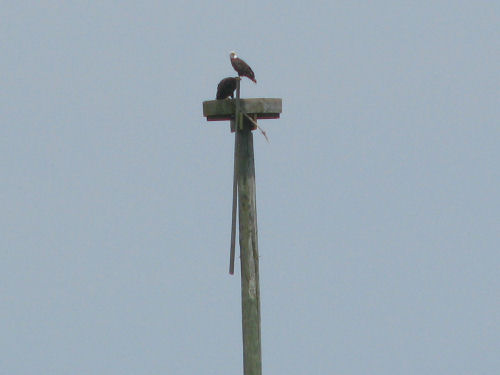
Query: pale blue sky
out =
(378, 195)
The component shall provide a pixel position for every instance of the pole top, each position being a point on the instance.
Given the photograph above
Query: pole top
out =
(262, 108)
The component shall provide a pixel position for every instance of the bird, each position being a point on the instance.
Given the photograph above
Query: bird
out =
(241, 67)
(226, 88)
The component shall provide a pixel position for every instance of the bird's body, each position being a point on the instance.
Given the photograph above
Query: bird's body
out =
(226, 88)
(241, 67)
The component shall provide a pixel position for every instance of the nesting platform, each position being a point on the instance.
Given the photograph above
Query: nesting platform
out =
(260, 108)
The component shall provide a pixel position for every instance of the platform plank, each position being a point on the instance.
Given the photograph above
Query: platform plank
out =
(263, 108)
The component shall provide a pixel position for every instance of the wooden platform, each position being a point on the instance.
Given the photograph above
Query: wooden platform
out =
(263, 108)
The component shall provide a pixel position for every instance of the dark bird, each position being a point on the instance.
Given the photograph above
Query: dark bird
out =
(241, 67)
(226, 88)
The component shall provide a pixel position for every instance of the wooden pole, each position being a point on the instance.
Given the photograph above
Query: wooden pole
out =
(249, 254)
(244, 185)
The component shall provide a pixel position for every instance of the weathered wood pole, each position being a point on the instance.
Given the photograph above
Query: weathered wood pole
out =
(249, 253)
(256, 108)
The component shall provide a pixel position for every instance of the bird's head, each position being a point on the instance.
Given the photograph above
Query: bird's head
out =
(232, 55)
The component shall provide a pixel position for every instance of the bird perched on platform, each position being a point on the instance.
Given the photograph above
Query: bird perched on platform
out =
(226, 88)
(241, 67)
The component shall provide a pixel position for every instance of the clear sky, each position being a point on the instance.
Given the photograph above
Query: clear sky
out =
(378, 195)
